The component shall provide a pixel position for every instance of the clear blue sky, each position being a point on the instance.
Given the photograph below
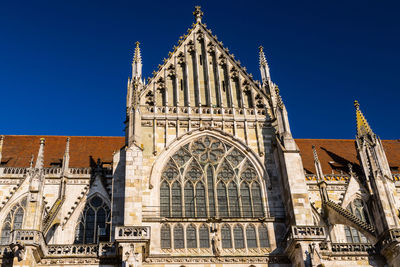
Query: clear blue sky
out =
(64, 64)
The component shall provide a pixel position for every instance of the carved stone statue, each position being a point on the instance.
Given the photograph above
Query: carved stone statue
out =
(216, 242)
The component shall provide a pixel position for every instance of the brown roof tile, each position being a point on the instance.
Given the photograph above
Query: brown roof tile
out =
(335, 154)
(17, 149)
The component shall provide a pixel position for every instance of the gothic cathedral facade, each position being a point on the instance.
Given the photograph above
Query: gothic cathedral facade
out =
(208, 174)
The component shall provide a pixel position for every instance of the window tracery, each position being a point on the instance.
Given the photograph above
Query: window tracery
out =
(13, 221)
(358, 208)
(208, 178)
(93, 221)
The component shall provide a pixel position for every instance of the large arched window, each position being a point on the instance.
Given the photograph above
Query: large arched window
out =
(358, 208)
(93, 221)
(209, 178)
(13, 221)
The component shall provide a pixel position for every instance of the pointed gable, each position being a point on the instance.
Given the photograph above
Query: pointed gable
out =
(200, 72)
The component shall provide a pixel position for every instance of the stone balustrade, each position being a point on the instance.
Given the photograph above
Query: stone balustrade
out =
(132, 233)
(26, 236)
(14, 170)
(203, 110)
(80, 170)
(352, 247)
(52, 171)
(307, 232)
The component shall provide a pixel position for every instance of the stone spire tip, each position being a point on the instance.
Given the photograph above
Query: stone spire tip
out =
(356, 105)
(363, 127)
(198, 14)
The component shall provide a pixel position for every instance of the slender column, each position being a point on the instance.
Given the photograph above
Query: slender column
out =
(217, 80)
(206, 74)
(196, 73)
(165, 90)
(186, 80)
(154, 123)
(175, 81)
(243, 109)
(229, 85)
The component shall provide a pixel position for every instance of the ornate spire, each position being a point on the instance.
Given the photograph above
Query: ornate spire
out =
(137, 63)
(278, 96)
(363, 127)
(1, 146)
(198, 14)
(65, 162)
(40, 156)
(264, 68)
(317, 163)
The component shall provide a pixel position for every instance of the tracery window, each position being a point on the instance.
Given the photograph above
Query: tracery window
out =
(13, 221)
(93, 221)
(358, 208)
(209, 178)
(165, 236)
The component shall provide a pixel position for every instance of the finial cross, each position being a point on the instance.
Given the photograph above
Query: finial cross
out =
(198, 14)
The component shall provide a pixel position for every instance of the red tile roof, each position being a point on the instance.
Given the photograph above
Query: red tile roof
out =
(334, 154)
(84, 150)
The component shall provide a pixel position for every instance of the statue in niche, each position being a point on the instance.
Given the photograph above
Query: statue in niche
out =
(216, 241)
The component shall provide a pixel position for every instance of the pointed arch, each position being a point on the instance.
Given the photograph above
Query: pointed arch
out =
(189, 200)
(238, 236)
(226, 236)
(14, 220)
(165, 236)
(251, 236)
(191, 236)
(93, 223)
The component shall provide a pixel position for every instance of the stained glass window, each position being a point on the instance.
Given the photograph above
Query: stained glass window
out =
(178, 237)
(189, 200)
(191, 240)
(12, 221)
(251, 236)
(226, 237)
(204, 236)
(263, 236)
(93, 221)
(207, 178)
(238, 237)
(165, 236)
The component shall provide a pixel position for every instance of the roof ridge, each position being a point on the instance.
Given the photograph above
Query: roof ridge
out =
(46, 135)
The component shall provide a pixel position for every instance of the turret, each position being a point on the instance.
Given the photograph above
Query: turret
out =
(1, 146)
(320, 176)
(137, 63)
(378, 177)
(264, 68)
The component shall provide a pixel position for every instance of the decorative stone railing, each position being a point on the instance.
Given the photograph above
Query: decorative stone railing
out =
(353, 247)
(80, 170)
(52, 171)
(132, 233)
(203, 110)
(26, 236)
(307, 232)
(350, 216)
(329, 177)
(73, 250)
(14, 170)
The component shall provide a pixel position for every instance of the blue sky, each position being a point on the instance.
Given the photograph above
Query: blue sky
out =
(64, 64)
